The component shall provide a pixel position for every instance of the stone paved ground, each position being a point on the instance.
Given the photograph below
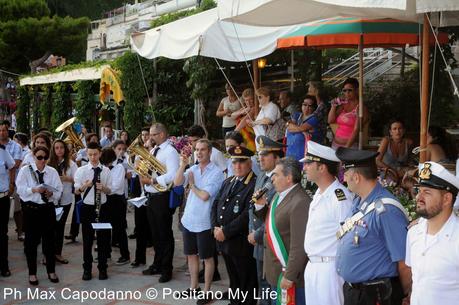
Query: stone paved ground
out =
(121, 278)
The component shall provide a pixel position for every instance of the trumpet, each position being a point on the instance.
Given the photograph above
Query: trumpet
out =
(72, 137)
(147, 165)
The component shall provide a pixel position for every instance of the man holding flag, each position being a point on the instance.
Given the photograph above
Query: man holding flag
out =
(287, 216)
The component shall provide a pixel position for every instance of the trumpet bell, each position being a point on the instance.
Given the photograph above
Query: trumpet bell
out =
(66, 124)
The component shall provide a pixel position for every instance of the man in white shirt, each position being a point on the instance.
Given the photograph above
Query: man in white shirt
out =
(92, 181)
(329, 207)
(158, 212)
(108, 137)
(432, 246)
(204, 180)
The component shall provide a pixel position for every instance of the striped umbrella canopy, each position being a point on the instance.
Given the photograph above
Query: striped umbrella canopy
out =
(343, 32)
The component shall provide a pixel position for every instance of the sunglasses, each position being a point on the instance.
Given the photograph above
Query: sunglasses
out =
(347, 90)
(41, 158)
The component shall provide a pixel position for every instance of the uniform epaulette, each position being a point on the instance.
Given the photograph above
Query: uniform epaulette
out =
(340, 194)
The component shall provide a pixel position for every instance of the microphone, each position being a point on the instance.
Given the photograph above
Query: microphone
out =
(267, 187)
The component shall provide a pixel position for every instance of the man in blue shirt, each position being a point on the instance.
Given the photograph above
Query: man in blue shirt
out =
(372, 241)
(204, 181)
(6, 163)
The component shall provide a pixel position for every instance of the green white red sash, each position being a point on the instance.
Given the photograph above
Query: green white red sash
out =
(277, 246)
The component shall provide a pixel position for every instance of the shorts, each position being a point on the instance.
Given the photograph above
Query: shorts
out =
(202, 243)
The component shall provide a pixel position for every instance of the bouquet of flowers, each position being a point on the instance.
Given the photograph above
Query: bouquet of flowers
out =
(182, 145)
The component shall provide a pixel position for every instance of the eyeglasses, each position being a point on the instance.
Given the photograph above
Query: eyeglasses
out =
(347, 90)
(41, 158)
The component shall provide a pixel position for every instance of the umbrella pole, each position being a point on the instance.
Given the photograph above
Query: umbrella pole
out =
(424, 88)
(361, 92)
(256, 80)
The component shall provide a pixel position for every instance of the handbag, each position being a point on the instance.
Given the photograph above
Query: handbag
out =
(176, 196)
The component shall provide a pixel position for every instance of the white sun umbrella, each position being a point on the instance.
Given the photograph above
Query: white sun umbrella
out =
(284, 12)
(206, 35)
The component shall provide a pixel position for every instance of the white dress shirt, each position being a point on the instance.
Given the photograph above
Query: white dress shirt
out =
(85, 173)
(434, 262)
(118, 181)
(25, 182)
(169, 157)
(28, 159)
(196, 217)
(6, 163)
(82, 156)
(67, 193)
(326, 212)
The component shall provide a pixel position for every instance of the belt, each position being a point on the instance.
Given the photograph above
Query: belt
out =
(3, 194)
(364, 285)
(149, 195)
(321, 259)
(36, 206)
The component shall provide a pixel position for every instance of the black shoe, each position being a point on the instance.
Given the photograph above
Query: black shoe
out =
(53, 280)
(87, 276)
(151, 271)
(122, 261)
(70, 237)
(164, 278)
(205, 300)
(132, 236)
(33, 283)
(6, 273)
(116, 245)
(190, 293)
(216, 277)
(71, 240)
(103, 275)
(136, 264)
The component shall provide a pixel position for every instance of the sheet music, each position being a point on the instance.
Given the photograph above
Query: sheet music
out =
(138, 201)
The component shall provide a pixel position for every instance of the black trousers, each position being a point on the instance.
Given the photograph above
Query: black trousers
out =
(60, 227)
(75, 227)
(88, 216)
(4, 218)
(142, 232)
(160, 222)
(390, 293)
(242, 273)
(118, 208)
(39, 224)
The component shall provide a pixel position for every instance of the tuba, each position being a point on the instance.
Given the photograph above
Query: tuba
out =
(72, 137)
(147, 164)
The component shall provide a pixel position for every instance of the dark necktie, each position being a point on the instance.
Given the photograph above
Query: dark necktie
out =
(235, 185)
(41, 181)
(119, 161)
(155, 152)
(97, 171)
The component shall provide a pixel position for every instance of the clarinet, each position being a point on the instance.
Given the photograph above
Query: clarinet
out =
(98, 199)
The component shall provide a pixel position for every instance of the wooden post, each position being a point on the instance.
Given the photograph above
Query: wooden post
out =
(292, 75)
(361, 92)
(424, 89)
(256, 85)
(402, 68)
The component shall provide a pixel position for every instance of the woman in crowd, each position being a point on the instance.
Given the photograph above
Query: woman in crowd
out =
(246, 114)
(227, 107)
(66, 168)
(40, 139)
(39, 211)
(439, 147)
(395, 149)
(345, 112)
(268, 118)
(23, 140)
(316, 89)
(124, 136)
(302, 128)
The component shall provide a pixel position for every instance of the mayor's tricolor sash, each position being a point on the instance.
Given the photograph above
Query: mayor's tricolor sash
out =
(284, 297)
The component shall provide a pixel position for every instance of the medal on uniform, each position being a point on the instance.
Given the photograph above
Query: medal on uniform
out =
(236, 209)
(356, 237)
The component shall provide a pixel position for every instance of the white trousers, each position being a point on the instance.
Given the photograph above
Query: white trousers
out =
(322, 285)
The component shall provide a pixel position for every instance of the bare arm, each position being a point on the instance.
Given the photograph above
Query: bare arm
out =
(405, 277)
(221, 112)
(382, 150)
(332, 114)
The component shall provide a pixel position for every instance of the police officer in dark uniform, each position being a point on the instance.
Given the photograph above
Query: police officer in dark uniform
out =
(269, 153)
(230, 217)
(372, 240)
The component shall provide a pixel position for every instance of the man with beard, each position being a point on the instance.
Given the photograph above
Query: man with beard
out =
(432, 247)
(371, 249)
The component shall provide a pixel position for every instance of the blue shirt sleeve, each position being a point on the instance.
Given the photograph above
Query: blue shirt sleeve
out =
(393, 226)
(313, 121)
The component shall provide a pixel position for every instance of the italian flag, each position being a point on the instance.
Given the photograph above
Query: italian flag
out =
(284, 297)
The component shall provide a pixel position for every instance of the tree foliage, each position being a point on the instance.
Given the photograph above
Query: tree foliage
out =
(61, 104)
(166, 18)
(46, 106)
(80, 8)
(22, 110)
(85, 106)
(27, 32)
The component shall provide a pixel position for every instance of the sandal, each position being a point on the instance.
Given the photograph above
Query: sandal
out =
(62, 261)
